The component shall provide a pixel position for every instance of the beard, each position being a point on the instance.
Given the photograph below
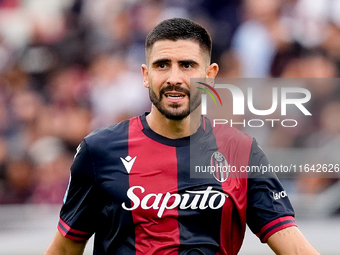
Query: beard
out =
(172, 111)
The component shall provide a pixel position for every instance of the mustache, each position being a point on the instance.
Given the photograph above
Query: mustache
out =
(174, 88)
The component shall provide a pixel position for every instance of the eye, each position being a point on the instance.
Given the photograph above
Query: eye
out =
(187, 65)
(162, 65)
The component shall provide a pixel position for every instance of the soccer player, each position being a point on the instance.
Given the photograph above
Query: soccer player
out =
(130, 183)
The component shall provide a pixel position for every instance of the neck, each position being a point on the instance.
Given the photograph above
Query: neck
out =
(173, 129)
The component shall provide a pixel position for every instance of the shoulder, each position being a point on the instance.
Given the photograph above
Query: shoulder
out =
(111, 138)
(104, 144)
(114, 132)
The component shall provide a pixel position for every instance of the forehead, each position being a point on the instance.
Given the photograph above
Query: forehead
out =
(176, 50)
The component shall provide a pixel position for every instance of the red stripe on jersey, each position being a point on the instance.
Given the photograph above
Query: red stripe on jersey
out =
(276, 225)
(274, 222)
(69, 232)
(236, 147)
(156, 232)
(290, 224)
(71, 229)
(204, 123)
(75, 238)
(140, 124)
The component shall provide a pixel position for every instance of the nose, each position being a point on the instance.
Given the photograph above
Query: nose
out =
(175, 76)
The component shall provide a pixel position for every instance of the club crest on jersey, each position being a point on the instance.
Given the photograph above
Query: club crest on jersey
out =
(220, 164)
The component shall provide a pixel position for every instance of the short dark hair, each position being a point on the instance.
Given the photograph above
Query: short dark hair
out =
(179, 29)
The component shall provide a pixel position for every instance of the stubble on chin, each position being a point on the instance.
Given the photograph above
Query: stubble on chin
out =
(172, 111)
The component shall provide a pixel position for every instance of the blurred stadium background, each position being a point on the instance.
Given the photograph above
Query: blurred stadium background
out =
(70, 66)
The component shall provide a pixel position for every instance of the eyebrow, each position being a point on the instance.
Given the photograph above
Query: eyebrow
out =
(162, 60)
(189, 61)
(166, 60)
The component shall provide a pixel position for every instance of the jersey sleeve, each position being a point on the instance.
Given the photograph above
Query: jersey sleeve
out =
(78, 213)
(268, 207)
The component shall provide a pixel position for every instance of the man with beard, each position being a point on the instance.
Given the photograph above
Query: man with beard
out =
(130, 183)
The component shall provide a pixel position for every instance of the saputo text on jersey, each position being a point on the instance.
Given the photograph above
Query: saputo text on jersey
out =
(202, 200)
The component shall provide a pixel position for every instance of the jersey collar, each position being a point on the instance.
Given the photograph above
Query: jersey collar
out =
(180, 142)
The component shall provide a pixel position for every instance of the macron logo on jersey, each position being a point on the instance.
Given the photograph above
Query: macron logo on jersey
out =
(128, 162)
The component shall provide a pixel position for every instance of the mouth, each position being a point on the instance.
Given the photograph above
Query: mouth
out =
(174, 95)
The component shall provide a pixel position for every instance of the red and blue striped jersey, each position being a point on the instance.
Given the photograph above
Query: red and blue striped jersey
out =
(140, 192)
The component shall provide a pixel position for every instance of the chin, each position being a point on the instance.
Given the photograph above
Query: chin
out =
(178, 115)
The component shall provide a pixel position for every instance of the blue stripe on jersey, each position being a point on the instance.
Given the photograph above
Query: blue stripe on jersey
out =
(117, 230)
(199, 229)
(262, 209)
(91, 204)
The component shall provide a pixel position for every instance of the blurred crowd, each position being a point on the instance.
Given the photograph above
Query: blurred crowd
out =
(68, 67)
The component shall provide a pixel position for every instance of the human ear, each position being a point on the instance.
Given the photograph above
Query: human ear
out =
(145, 73)
(212, 70)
